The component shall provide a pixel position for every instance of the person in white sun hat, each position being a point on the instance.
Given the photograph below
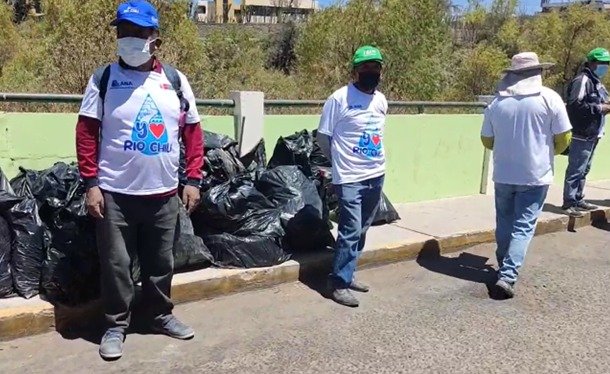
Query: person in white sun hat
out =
(525, 125)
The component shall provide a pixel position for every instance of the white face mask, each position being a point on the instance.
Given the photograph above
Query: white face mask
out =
(134, 51)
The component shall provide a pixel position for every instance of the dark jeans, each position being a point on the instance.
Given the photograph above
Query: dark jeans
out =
(358, 203)
(136, 226)
(579, 165)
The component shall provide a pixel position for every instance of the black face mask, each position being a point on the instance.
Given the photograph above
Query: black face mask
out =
(368, 81)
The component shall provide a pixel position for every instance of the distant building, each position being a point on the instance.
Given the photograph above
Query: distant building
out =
(275, 11)
(547, 5)
(253, 11)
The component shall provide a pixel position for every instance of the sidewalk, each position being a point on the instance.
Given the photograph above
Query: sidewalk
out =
(439, 226)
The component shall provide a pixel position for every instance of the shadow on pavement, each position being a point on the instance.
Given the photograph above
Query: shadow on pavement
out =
(600, 203)
(601, 224)
(314, 271)
(551, 208)
(466, 266)
(87, 322)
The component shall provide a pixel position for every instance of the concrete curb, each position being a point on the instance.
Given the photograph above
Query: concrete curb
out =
(40, 317)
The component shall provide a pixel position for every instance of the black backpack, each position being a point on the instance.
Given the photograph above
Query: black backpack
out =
(102, 76)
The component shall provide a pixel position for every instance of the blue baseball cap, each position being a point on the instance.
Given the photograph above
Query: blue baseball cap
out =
(139, 12)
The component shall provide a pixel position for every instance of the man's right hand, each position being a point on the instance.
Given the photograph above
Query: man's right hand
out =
(605, 108)
(95, 202)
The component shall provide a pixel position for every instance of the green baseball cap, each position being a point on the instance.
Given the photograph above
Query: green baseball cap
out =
(367, 53)
(598, 55)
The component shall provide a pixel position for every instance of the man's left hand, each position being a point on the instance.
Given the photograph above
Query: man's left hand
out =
(191, 197)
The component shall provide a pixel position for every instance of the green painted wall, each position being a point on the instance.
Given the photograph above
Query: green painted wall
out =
(429, 156)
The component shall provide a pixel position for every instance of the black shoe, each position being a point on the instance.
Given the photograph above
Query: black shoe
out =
(506, 288)
(358, 286)
(171, 326)
(583, 205)
(573, 212)
(343, 296)
(111, 347)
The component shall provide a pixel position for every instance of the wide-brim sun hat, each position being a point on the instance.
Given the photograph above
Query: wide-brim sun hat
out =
(526, 61)
(516, 81)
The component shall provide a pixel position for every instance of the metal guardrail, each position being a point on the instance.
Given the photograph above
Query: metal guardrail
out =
(226, 103)
(76, 99)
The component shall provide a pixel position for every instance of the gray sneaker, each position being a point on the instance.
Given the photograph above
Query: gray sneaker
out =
(573, 212)
(171, 326)
(506, 288)
(583, 205)
(111, 347)
(358, 286)
(344, 296)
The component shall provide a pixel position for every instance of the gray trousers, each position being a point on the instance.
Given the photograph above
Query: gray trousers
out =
(142, 227)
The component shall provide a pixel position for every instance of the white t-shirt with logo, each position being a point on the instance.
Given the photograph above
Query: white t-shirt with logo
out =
(523, 128)
(356, 122)
(139, 151)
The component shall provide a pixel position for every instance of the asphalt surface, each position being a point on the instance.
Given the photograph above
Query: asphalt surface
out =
(433, 315)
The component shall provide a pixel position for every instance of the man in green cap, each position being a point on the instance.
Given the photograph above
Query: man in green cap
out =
(351, 136)
(587, 106)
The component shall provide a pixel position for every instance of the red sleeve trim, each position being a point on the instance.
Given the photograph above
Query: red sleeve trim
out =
(87, 145)
(192, 136)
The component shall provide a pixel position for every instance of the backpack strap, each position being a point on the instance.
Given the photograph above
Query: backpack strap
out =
(174, 78)
(101, 77)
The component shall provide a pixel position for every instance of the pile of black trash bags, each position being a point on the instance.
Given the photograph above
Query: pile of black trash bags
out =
(251, 215)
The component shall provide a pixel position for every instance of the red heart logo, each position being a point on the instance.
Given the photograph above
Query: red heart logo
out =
(157, 129)
(376, 139)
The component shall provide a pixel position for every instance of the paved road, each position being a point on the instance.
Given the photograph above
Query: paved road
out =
(426, 316)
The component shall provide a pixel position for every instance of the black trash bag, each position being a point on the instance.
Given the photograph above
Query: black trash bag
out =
(245, 252)
(212, 140)
(317, 157)
(256, 159)
(219, 166)
(71, 273)
(52, 188)
(238, 208)
(289, 189)
(239, 225)
(23, 183)
(301, 206)
(221, 161)
(386, 213)
(294, 150)
(53, 183)
(189, 250)
(302, 149)
(8, 198)
(28, 247)
(6, 278)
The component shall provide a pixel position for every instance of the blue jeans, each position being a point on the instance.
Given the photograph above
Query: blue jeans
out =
(517, 210)
(579, 165)
(358, 204)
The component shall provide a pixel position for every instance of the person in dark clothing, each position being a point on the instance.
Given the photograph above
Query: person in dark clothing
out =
(587, 106)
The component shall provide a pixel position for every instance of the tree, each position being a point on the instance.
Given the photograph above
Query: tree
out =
(413, 35)
(565, 38)
(283, 56)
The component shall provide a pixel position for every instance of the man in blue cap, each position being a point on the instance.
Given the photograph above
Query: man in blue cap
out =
(133, 114)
